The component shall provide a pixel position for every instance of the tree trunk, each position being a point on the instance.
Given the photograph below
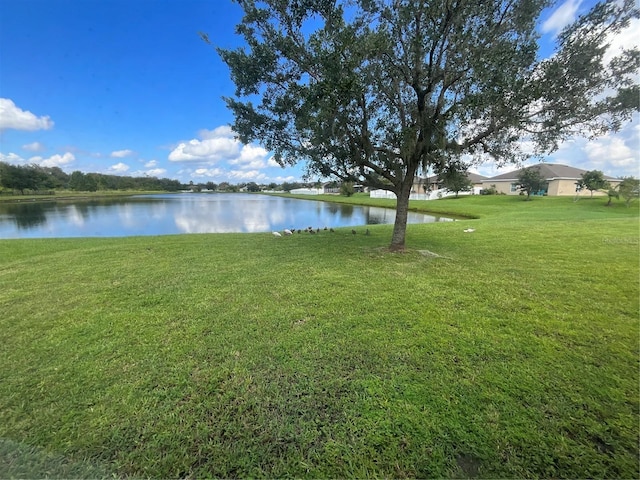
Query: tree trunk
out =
(402, 209)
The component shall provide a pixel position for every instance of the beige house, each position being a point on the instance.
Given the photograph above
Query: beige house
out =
(432, 183)
(561, 181)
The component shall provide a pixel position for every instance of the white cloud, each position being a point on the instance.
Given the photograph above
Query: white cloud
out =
(151, 164)
(121, 153)
(625, 39)
(13, 117)
(217, 155)
(207, 150)
(156, 172)
(561, 17)
(616, 154)
(153, 172)
(58, 160)
(251, 157)
(251, 175)
(234, 176)
(217, 146)
(613, 155)
(118, 168)
(206, 173)
(222, 131)
(33, 147)
(289, 178)
(11, 158)
(491, 168)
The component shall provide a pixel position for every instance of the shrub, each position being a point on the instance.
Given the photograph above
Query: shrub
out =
(492, 190)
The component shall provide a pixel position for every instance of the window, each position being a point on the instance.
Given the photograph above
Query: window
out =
(514, 187)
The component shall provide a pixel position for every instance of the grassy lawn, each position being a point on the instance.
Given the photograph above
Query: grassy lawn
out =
(512, 353)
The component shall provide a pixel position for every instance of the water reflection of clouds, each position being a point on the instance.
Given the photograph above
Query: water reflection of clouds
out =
(158, 210)
(75, 216)
(227, 216)
(127, 215)
(188, 213)
(141, 216)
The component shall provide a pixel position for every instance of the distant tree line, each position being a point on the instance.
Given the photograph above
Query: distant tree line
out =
(36, 179)
(39, 179)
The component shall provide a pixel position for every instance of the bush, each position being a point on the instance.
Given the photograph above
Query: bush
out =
(492, 190)
(347, 189)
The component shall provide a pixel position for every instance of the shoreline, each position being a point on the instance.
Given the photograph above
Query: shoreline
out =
(79, 196)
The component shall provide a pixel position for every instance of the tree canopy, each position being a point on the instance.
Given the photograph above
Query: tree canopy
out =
(530, 180)
(593, 180)
(453, 176)
(20, 178)
(629, 188)
(373, 91)
(38, 178)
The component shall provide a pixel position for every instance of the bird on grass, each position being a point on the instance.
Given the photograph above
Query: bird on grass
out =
(287, 231)
(276, 234)
(469, 230)
(353, 231)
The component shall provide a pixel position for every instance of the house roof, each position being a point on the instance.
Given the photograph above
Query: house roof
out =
(549, 171)
(474, 177)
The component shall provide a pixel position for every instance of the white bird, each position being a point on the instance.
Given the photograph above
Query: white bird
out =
(469, 230)
(287, 231)
(276, 234)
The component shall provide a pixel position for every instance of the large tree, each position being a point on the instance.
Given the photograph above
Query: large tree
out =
(375, 90)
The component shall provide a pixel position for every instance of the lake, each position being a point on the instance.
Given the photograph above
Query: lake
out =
(165, 214)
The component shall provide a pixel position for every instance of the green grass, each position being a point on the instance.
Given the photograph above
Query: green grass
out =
(512, 354)
(500, 207)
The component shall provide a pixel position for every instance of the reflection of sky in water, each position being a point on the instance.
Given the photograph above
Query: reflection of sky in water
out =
(185, 213)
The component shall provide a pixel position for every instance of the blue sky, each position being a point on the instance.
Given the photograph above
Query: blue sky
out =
(127, 87)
